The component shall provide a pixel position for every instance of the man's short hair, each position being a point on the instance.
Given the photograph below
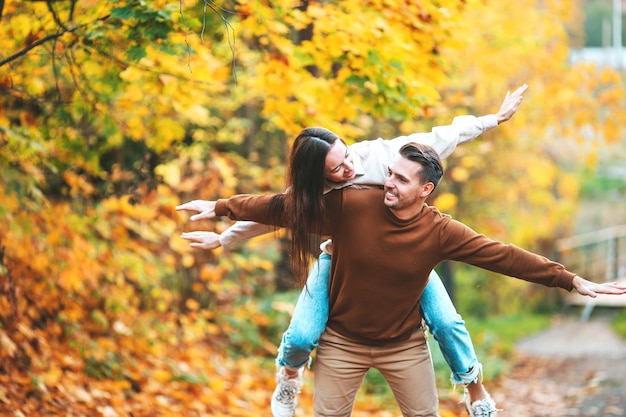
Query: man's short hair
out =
(431, 166)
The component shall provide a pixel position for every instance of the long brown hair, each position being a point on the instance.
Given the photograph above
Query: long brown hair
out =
(303, 202)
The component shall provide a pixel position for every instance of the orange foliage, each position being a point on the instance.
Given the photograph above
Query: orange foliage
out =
(133, 107)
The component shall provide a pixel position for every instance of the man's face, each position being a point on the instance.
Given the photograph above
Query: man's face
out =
(339, 163)
(404, 191)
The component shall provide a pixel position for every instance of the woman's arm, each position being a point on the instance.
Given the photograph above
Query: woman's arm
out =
(371, 158)
(463, 129)
(241, 230)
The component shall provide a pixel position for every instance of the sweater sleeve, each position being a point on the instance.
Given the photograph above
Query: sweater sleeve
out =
(254, 208)
(460, 243)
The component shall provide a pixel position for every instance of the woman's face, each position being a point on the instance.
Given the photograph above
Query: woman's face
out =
(339, 163)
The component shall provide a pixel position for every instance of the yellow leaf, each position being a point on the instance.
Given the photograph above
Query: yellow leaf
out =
(52, 376)
(161, 375)
(71, 278)
(591, 159)
(612, 130)
(459, 174)
(568, 187)
(165, 132)
(446, 202)
(541, 174)
(211, 273)
(198, 115)
(132, 74)
(169, 172)
(7, 345)
(80, 394)
(135, 128)
(225, 170)
(188, 260)
(192, 304)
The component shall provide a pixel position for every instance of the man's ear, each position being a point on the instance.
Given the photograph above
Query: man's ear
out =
(427, 189)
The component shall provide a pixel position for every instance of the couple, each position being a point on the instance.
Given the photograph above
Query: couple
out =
(378, 293)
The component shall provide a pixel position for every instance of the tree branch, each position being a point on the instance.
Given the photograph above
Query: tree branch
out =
(45, 39)
(55, 17)
(32, 46)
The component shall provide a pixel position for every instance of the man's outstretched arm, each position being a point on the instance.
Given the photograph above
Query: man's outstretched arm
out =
(243, 207)
(239, 207)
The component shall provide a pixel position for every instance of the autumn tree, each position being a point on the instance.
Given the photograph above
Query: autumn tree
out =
(114, 112)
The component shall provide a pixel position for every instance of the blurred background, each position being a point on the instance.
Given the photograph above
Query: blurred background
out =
(114, 112)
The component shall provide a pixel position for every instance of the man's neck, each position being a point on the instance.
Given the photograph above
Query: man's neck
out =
(409, 212)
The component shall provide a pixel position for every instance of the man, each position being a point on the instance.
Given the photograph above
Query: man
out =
(319, 162)
(382, 256)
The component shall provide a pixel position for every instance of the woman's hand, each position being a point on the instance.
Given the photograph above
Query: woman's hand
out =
(204, 208)
(510, 104)
(202, 240)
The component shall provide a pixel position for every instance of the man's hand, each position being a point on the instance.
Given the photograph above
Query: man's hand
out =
(510, 104)
(592, 289)
(203, 240)
(206, 209)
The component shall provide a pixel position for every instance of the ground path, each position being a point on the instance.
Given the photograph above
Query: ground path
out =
(574, 369)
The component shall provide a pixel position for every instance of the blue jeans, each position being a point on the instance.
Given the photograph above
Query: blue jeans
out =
(311, 314)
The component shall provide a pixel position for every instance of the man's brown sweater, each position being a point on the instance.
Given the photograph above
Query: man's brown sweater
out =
(381, 263)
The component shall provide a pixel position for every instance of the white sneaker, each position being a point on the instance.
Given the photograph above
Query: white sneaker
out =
(284, 399)
(481, 408)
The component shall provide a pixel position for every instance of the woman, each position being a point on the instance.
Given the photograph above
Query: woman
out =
(319, 162)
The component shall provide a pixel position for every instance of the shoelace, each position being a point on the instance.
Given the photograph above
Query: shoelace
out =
(286, 395)
(483, 410)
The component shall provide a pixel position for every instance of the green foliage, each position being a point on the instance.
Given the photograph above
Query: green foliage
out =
(114, 112)
(258, 316)
(110, 366)
(190, 378)
(256, 327)
(480, 293)
(504, 330)
(147, 25)
(619, 323)
(603, 185)
(598, 14)
(493, 339)
(374, 385)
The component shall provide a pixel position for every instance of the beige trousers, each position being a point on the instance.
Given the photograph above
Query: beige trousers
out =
(341, 365)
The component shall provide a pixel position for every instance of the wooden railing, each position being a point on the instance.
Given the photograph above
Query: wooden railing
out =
(598, 256)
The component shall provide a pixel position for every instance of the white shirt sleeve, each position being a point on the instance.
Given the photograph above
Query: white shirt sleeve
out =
(243, 230)
(375, 157)
(445, 139)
